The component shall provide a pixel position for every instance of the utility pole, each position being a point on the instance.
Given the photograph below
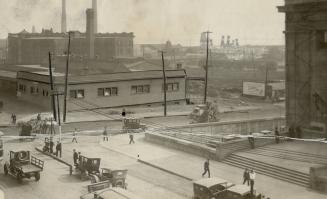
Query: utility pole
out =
(52, 88)
(206, 78)
(66, 79)
(165, 85)
(56, 94)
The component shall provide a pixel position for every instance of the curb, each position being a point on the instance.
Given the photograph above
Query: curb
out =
(165, 170)
(58, 159)
(115, 120)
(151, 165)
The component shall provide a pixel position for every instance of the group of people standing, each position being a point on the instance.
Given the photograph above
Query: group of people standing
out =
(49, 144)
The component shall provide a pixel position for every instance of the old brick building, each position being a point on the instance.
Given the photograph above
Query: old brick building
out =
(306, 60)
(33, 48)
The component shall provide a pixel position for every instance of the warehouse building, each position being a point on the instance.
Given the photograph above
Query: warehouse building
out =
(104, 90)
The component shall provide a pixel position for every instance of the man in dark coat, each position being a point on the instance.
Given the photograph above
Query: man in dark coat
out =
(131, 138)
(246, 177)
(276, 135)
(75, 157)
(105, 134)
(58, 149)
(51, 145)
(206, 168)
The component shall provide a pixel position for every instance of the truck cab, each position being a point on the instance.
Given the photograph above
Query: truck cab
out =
(209, 188)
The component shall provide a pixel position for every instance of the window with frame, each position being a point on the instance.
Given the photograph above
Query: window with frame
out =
(77, 94)
(140, 89)
(171, 87)
(34, 90)
(105, 92)
(22, 88)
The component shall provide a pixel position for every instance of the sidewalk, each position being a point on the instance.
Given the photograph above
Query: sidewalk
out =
(191, 166)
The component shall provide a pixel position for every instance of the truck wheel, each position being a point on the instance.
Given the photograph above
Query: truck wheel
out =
(5, 169)
(37, 176)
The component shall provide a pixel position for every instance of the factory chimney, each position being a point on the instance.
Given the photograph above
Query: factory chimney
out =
(63, 17)
(90, 32)
(95, 8)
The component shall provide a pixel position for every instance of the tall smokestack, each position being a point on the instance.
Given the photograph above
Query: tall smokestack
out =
(95, 8)
(90, 32)
(63, 17)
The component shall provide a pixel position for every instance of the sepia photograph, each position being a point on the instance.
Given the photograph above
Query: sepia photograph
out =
(163, 99)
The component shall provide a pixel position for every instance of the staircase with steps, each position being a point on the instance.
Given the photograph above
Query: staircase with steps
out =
(289, 155)
(274, 171)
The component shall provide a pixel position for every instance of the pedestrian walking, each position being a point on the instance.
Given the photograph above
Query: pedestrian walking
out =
(75, 157)
(276, 135)
(74, 135)
(131, 138)
(246, 176)
(105, 134)
(206, 168)
(51, 145)
(13, 118)
(252, 178)
(58, 149)
(251, 140)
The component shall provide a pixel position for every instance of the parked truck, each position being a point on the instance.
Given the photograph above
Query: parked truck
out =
(22, 165)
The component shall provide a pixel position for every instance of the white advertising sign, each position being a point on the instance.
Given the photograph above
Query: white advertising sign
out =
(254, 89)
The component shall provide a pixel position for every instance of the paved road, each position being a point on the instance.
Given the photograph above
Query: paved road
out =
(55, 182)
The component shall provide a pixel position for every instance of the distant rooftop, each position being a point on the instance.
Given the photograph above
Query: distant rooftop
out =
(43, 77)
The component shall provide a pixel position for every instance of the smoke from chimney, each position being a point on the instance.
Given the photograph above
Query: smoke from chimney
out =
(95, 8)
(90, 32)
(63, 17)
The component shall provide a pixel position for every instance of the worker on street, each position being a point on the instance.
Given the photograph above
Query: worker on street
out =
(246, 176)
(276, 135)
(13, 118)
(252, 178)
(58, 149)
(74, 135)
(206, 168)
(51, 145)
(131, 138)
(105, 134)
(75, 157)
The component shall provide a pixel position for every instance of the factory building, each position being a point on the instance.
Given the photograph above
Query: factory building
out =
(33, 48)
(104, 90)
(306, 60)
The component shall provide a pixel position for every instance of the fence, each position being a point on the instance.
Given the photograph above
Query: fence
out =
(234, 127)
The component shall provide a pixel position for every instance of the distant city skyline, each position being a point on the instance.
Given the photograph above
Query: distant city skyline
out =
(253, 22)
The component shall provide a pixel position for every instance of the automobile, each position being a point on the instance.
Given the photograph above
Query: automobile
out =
(88, 166)
(22, 165)
(133, 124)
(238, 192)
(117, 178)
(209, 188)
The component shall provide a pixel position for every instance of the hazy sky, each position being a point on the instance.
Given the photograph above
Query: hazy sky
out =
(155, 21)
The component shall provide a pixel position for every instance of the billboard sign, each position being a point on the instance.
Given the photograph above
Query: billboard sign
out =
(254, 89)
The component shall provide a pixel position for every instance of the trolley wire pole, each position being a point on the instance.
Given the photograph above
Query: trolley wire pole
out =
(206, 70)
(165, 85)
(66, 77)
(52, 88)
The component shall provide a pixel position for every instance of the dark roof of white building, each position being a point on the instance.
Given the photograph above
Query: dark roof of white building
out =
(43, 77)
